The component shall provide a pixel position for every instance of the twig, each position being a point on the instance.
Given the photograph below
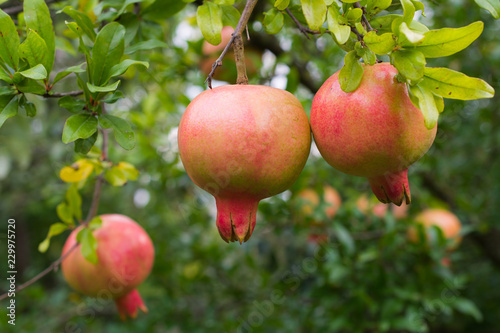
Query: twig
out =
(18, 9)
(57, 95)
(92, 212)
(357, 33)
(242, 23)
(305, 30)
(46, 271)
(364, 20)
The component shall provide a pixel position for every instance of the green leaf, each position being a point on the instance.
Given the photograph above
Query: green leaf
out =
(108, 88)
(79, 126)
(115, 176)
(224, 2)
(9, 41)
(447, 41)
(55, 229)
(380, 45)
(209, 18)
(30, 109)
(95, 223)
(451, 84)
(409, 63)
(368, 56)
(74, 201)
(37, 17)
(72, 104)
(36, 73)
(64, 213)
(107, 52)
(30, 86)
(83, 146)
(88, 245)
(34, 50)
(122, 67)
(467, 307)
(230, 16)
(412, 37)
(146, 45)
(281, 4)
(354, 14)
(273, 21)
(351, 73)
(5, 77)
(8, 107)
(426, 103)
(344, 237)
(73, 69)
(314, 12)
(408, 11)
(374, 7)
(162, 9)
(340, 32)
(83, 21)
(493, 6)
(113, 98)
(121, 129)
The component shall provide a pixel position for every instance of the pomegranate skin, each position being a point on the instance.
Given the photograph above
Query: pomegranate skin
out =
(243, 143)
(125, 257)
(374, 132)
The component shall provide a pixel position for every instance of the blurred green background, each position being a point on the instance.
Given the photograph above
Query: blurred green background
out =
(366, 278)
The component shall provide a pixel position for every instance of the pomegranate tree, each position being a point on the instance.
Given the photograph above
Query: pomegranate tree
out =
(374, 132)
(125, 257)
(243, 143)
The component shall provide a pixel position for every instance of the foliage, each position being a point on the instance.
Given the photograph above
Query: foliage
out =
(134, 71)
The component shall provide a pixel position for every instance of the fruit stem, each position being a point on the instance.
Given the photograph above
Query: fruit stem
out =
(239, 58)
(242, 23)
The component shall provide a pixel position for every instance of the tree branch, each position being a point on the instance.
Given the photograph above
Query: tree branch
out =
(242, 23)
(364, 20)
(305, 30)
(92, 212)
(57, 95)
(18, 9)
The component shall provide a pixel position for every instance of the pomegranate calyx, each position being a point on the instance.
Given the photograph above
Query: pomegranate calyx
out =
(392, 187)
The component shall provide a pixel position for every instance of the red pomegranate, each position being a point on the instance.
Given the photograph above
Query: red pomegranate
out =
(125, 257)
(243, 143)
(374, 132)
(443, 219)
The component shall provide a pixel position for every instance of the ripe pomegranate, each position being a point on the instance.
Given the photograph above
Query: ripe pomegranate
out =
(125, 257)
(228, 72)
(445, 220)
(243, 143)
(373, 132)
(310, 201)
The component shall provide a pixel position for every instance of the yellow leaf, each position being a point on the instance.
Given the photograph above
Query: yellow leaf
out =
(128, 170)
(79, 171)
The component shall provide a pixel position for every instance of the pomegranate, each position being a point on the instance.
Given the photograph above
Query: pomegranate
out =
(374, 132)
(243, 143)
(311, 200)
(125, 257)
(445, 220)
